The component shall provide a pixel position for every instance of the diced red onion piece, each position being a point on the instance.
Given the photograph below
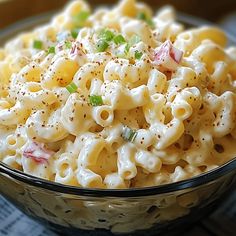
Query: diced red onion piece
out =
(77, 53)
(168, 56)
(37, 152)
(73, 49)
(61, 46)
(76, 50)
(176, 54)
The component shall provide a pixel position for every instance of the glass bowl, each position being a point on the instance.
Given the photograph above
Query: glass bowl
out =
(146, 211)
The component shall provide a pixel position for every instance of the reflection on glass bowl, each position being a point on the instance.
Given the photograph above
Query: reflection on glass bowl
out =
(146, 211)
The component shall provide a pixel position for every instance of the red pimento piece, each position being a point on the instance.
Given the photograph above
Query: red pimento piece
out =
(37, 152)
(167, 56)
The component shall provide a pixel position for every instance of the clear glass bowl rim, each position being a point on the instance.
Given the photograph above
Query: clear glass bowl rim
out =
(196, 181)
(199, 180)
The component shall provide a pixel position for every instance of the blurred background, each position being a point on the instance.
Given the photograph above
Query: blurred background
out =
(222, 12)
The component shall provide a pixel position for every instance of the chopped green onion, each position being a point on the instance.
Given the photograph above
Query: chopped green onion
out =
(122, 52)
(51, 50)
(128, 134)
(119, 39)
(134, 40)
(127, 47)
(150, 23)
(142, 16)
(68, 44)
(95, 100)
(75, 32)
(73, 85)
(138, 55)
(81, 18)
(38, 44)
(106, 35)
(102, 45)
(71, 88)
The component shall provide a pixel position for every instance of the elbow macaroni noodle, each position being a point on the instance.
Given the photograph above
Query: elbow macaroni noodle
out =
(183, 119)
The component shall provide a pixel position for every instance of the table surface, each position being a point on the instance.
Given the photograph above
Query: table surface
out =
(13, 223)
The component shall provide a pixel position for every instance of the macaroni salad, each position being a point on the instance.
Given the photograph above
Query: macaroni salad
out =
(118, 98)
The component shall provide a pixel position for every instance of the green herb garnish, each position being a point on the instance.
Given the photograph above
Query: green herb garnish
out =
(106, 35)
(142, 16)
(128, 134)
(75, 32)
(138, 55)
(95, 100)
(72, 88)
(150, 23)
(51, 50)
(81, 18)
(38, 44)
(68, 45)
(133, 40)
(119, 39)
(102, 45)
